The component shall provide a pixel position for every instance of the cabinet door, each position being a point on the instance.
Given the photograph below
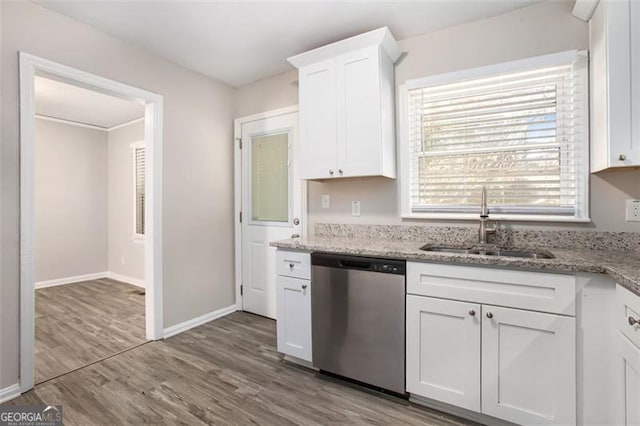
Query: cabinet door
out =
(528, 366)
(318, 139)
(359, 116)
(443, 351)
(294, 317)
(634, 27)
(628, 370)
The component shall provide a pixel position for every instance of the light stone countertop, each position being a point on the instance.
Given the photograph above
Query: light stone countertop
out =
(622, 266)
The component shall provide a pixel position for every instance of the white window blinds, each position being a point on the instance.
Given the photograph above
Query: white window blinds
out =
(139, 164)
(519, 133)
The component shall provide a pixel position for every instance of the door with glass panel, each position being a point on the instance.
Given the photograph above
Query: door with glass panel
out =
(271, 205)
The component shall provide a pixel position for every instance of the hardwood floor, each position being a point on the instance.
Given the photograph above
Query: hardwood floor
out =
(81, 323)
(224, 372)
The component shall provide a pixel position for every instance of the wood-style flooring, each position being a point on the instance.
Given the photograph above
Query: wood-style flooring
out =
(81, 323)
(224, 372)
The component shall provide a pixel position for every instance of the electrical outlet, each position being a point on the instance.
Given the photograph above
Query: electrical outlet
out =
(326, 201)
(355, 208)
(633, 210)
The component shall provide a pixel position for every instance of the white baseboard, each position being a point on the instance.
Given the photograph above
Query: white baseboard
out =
(187, 325)
(70, 280)
(125, 279)
(9, 393)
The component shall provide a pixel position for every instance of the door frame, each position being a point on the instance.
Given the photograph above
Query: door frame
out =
(30, 66)
(237, 166)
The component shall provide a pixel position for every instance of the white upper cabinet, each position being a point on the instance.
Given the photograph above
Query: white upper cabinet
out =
(346, 107)
(615, 84)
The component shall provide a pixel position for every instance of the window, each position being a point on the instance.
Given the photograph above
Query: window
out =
(138, 190)
(519, 129)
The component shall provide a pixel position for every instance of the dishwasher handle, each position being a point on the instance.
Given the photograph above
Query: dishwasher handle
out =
(360, 263)
(354, 264)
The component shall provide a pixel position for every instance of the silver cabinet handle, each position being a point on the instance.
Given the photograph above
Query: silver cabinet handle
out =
(291, 265)
(295, 235)
(472, 313)
(296, 221)
(331, 172)
(622, 157)
(489, 315)
(340, 171)
(304, 286)
(633, 321)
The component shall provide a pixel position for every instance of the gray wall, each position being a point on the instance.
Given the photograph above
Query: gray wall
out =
(70, 200)
(536, 30)
(126, 257)
(198, 164)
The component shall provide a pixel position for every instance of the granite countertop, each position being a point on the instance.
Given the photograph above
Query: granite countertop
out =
(622, 266)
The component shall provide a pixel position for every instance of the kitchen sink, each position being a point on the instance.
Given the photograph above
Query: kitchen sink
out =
(489, 251)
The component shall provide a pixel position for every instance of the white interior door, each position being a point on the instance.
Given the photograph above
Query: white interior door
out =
(271, 205)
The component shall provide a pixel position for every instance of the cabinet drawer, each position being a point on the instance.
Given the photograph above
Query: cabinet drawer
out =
(628, 306)
(537, 291)
(294, 264)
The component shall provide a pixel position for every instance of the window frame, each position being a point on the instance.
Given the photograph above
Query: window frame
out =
(582, 213)
(135, 236)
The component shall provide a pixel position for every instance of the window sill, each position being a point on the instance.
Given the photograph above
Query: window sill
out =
(138, 238)
(494, 217)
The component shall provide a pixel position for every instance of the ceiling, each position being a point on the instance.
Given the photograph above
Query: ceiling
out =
(238, 42)
(67, 102)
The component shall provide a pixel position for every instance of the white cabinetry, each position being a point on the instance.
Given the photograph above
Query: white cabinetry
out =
(293, 299)
(346, 107)
(443, 350)
(615, 84)
(513, 364)
(627, 362)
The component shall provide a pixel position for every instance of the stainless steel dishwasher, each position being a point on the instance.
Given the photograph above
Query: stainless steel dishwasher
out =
(358, 319)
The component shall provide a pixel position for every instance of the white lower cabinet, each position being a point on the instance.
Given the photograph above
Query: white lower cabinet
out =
(443, 350)
(528, 366)
(294, 317)
(512, 364)
(628, 370)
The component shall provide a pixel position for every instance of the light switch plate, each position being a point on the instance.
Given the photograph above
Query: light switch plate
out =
(633, 210)
(355, 208)
(326, 201)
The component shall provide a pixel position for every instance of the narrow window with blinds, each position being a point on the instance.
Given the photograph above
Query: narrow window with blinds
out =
(139, 189)
(519, 129)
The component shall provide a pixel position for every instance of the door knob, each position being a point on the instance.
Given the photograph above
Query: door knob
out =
(489, 315)
(340, 171)
(622, 157)
(296, 221)
(295, 235)
(331, 172)
(472, 313)
(633, 321)
(304, 286)
(291, 265)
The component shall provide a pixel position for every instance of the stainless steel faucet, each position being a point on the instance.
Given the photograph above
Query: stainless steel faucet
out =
(484, 218)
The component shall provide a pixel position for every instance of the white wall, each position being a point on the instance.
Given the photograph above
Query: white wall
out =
(198, 164)
(126, 257)
(70, 200)
(535, 30)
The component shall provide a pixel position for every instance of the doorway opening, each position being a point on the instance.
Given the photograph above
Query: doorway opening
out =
(90, 218)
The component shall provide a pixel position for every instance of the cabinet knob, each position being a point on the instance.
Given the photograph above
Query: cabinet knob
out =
(304, 286)
(472, 313)
(633, 321)
(489, 315)
(622, 157)
(331, 172)
(340, 171)
(291, 265)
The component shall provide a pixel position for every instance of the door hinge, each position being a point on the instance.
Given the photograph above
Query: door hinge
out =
(239, 142)
(240, 217)
(241, 289)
